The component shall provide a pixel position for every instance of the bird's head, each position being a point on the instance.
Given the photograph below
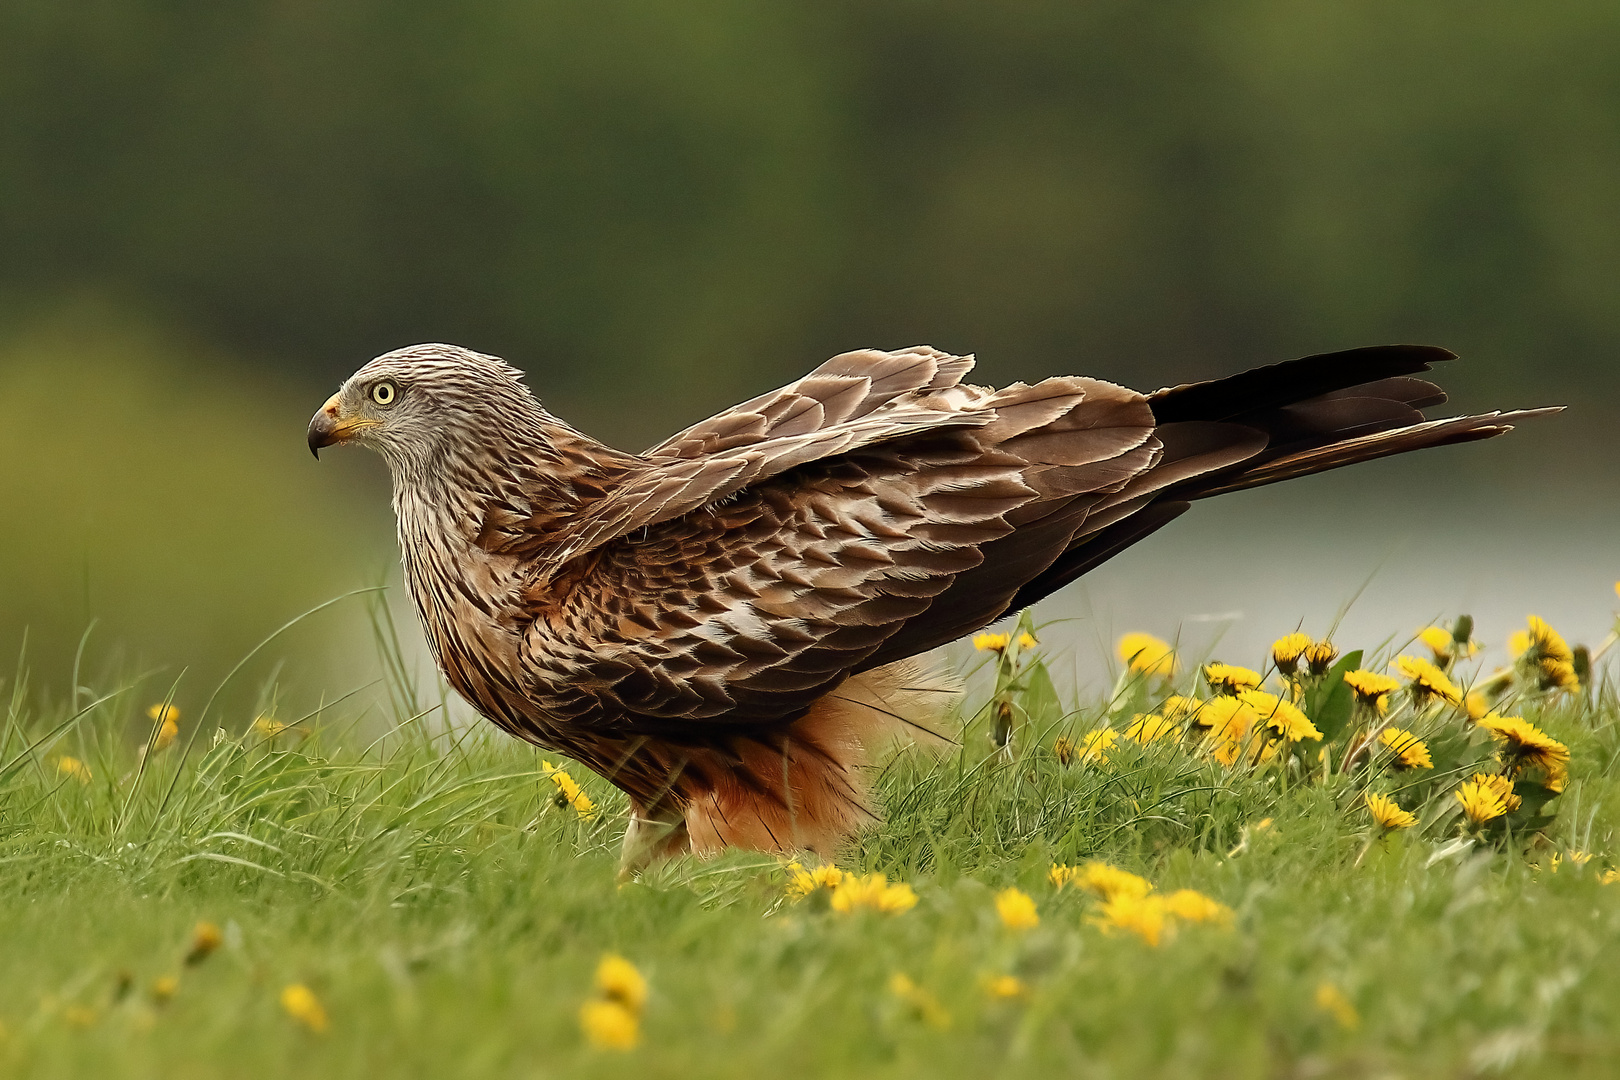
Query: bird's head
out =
(411, 404)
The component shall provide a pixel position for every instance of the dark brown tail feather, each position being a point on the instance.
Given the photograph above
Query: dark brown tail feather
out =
(1314, 414)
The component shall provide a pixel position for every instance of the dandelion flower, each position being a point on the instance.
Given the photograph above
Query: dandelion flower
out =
(205, 939)
(1287, 651)
(1427, 680)
(1094, 745)
(1017, 910)
(1005, 987)
(1150, 727)
(1580, 858)
(996, 643)
(1027, 641)
(164, 987)
(1545, 643)
(1229, 679)
(803, 882)
(1194, 907)
(1371, 688)
(167, 717)
(1439, 641)
(1503, 788)
(1284, 718)
(872, 893)
(608, 1025)
(1320, 657)
(1144, 916)
(302, 1005)
(1526, 744)
(1063, 749)
(1480, 802)
(1388, 813)
(569, 793)
(1558, 675)
(1478, 706)
(72, 766)
(618, 980)
(1227, 718)
(1104, 880)
(1410, 751)
(1331, 1000)
(268, 727)
(1147, 654)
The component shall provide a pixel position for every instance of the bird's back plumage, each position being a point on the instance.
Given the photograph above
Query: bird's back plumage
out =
(723, 624)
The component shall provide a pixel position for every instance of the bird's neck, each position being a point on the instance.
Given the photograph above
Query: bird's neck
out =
(465, 515)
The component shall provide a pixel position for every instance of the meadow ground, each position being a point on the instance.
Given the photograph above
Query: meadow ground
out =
(279, 897)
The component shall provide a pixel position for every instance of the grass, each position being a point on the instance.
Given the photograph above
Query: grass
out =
(448, 914)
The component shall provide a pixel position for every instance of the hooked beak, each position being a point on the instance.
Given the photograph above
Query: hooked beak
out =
(330, 427)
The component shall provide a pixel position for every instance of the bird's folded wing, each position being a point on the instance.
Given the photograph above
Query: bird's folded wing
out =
(852, 401)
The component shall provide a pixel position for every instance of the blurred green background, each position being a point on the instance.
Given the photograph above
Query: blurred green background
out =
(210, 213)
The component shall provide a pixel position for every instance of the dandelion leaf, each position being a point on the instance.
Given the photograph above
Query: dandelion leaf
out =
(1332, 703)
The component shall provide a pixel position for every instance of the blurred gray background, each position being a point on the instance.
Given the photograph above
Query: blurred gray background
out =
(211, 213)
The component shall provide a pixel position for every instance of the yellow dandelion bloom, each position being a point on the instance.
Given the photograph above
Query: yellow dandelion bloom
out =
(1502, 786)
(1094, 745)
(1194, 907)
(1287, 651)
(164, 987)
(167, 717)
(1558, 675)
(1478, 706)
(1439, 641)
(1388, 813)
(1580, 858)
(608, 1025)
(1526, 744)
(1227, 718)
(1545, 643)
(205, 940)
(1427, 680)
(1227, 752)
(618, 980)
(1518, 643)
(872, 893)
(926, 1005)
(1149, 727)
(1331, 1000)
(1005, 987)
(992, 642)
(1371, 688)
(1063, 749)
(1144, 916)
(1284, 718)
(302, 1005)
(1147, 654)
(268, 727)
(803, 882)
(1017, 910)
(1104, 880)
(1480, 802)
(1027, 641)
(1410, 751)
(1320, 657)
(568, 792)
(1229, 679)
(72, 766)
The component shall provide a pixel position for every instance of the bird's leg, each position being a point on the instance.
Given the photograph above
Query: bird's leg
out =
(653, 835)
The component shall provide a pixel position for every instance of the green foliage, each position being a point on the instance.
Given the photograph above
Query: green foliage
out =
(447, 911)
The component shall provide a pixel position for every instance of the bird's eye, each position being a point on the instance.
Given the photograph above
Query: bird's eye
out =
(384, 393)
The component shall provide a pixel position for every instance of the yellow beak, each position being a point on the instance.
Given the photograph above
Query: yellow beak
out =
(330, 427)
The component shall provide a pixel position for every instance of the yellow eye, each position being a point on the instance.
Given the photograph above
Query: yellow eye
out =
(384, 393)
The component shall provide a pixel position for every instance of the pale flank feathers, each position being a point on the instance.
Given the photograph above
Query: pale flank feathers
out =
(723, 625)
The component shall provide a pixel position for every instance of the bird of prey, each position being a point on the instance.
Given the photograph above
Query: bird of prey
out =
(722, 625)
